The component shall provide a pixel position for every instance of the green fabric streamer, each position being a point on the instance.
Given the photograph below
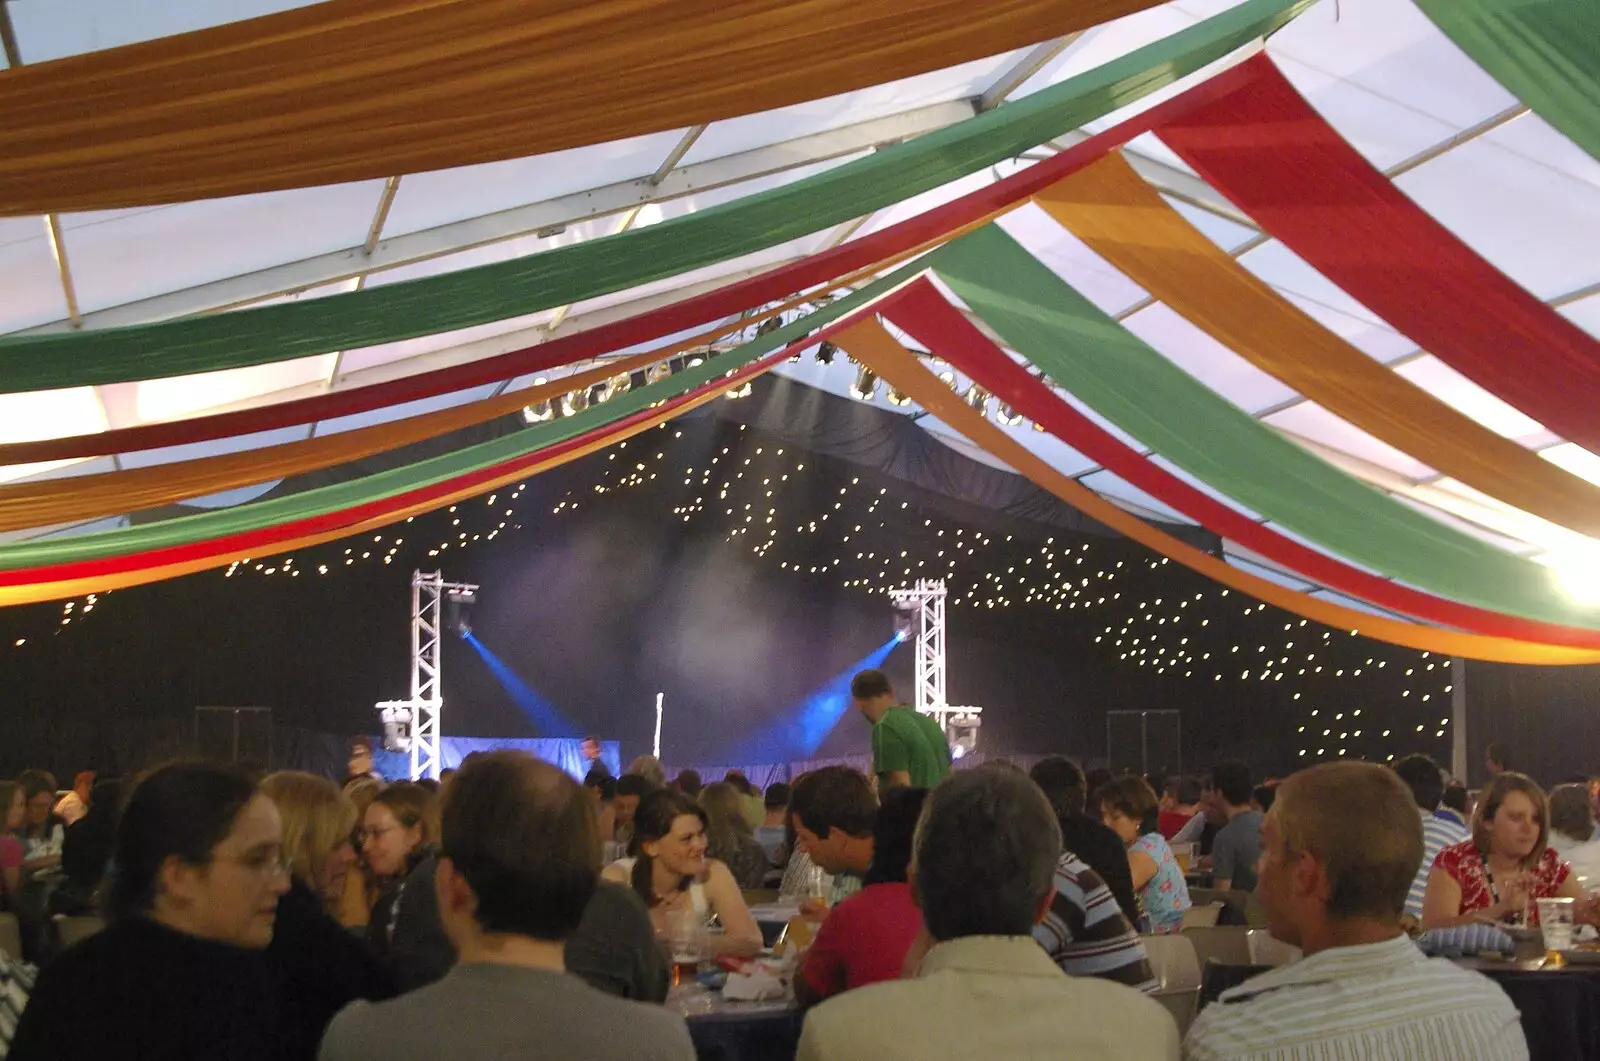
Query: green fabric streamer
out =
(188, 529)
(1545, 52)
(469, 297)
(1136, 388)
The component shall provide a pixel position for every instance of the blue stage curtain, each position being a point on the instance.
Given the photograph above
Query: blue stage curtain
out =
(327, 753)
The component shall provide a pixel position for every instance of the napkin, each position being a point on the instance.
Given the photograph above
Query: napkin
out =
(757, 985)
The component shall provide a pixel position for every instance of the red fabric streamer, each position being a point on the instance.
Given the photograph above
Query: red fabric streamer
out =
(1273, 156)
(921, 311)
(264, 538)
(680, 316)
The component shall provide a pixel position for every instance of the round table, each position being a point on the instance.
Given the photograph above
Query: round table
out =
(1560, 1006)
(723, 1030)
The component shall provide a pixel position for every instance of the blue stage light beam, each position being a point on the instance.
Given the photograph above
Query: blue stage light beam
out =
(803, 728)
(541, 712)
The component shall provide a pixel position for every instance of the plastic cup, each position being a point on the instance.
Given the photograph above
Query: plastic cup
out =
(1555, 921)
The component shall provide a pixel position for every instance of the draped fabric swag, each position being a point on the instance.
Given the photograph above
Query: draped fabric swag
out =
(1122, 218)
(571, 274)
(1273, 155)
(871, 344)
(1111, 370)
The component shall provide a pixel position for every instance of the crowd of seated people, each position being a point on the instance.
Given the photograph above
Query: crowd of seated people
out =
(516, 911)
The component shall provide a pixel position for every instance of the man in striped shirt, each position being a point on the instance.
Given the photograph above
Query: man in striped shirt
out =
(1339, 851)
(1426, 781)
(1086, 933)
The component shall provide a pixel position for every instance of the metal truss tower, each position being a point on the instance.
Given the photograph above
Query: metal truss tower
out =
(924, 605)
(413, 724)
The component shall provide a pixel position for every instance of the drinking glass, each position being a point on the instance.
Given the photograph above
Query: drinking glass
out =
(1555, 921)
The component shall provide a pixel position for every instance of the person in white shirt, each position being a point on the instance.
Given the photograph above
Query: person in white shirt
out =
(1340, 850)
(1572, 832)
(977, 984)
(1426, 781)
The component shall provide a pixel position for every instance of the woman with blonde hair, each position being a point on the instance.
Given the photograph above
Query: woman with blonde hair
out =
(729, 838)
(1507, 864)
(317, 965)
(355, 906)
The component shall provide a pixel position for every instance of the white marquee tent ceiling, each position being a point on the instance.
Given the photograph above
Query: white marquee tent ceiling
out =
(1455, 141)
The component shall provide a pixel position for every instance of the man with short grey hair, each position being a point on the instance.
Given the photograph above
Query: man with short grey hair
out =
(981, 869)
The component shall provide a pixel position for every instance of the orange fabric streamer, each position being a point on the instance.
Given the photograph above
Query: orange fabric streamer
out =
(1123, 219)
(872, 345)
(68, 499)
(35, 592)
(349, 90)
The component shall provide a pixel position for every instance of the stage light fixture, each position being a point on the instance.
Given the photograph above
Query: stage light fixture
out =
(621, 383)
(898, 399)
(458, 611)
(865, 387)
(1008, 416)
(657, 372)
(770, 325)
(977, 398)
(905, 619)
(825, 353)
(538, 412)
(396, 720)
(574, 402)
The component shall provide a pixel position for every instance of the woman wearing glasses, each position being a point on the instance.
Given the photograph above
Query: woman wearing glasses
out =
(319, 966)
(400, 829)
(180, 972)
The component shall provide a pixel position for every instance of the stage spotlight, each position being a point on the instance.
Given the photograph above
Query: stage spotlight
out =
(657, 372)
(825, 352)
(458, 611)
(396, 720)
(743, 390)
(865, 387)
(611, 388)
(574, 402)
(1008, 416)
(977, 398)
(906, 614)
(770, 325)
(963, 732)
(538, 412)
(897, 399)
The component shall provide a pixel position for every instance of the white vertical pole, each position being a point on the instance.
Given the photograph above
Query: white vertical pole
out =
(660, 699)
(1458, 718)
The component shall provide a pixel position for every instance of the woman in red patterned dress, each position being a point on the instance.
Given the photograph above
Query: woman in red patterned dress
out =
(1506, 865)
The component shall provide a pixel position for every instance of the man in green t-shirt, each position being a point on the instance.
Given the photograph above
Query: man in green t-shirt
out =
(907, 748)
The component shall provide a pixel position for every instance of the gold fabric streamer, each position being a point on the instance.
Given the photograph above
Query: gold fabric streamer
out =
(872, 345)
(1120, 217)
(349, 90)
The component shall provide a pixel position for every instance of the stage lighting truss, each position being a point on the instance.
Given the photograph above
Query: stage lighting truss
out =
(413, 725)
(920, 618)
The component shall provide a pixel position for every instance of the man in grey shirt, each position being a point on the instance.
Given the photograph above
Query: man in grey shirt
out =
(519, 863)
(1238, 843)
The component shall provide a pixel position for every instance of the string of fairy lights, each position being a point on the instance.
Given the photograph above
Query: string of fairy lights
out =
(867, 533)
(863, 532)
